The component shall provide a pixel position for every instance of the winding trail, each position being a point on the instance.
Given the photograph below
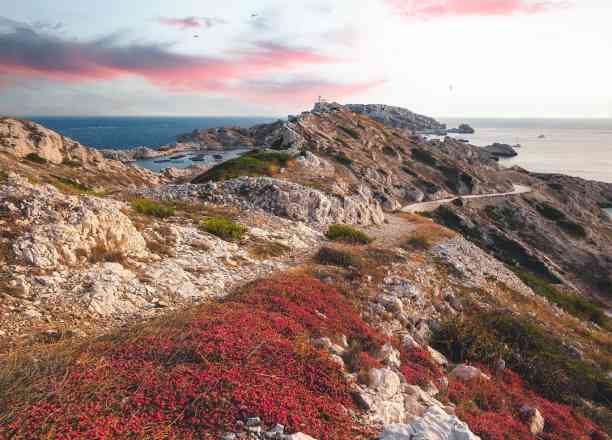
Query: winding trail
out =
(435, 204)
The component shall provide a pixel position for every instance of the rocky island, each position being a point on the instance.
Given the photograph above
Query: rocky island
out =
(285, 293)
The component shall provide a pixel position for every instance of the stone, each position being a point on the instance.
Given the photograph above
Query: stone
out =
(389, 356)
(534, 419)
(299, 436)
(435, 424)
(437, 357)
(467, 373)
(384, 381)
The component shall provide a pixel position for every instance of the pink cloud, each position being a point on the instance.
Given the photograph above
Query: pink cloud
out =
(189, 22)
(26, 54)
(429, 9)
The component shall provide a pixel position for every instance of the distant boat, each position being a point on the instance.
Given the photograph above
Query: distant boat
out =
(541, 136)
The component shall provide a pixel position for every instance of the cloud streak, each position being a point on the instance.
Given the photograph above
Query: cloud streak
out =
(25, 53)
(190, 22)
(431, 9)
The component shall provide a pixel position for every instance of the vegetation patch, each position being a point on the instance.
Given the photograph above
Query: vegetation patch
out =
(268, 249)
(539, 358)
(3, 176)
(153, 208)
(343, 159)
(572, 228)
(224, 228)
(70, 186)
(491, 408)
(33, 157)
(605, 205)
(349, 131)
(253, 164)
(338, 257)
(198, 373)
(347, 234)
(571, 303)
(424, 157)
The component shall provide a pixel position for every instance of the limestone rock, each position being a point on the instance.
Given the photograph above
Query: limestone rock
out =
(534, 419)
(282, 198)
(466, 373)
(434, 425)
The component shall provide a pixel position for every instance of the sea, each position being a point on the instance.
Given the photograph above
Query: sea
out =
(577, 147)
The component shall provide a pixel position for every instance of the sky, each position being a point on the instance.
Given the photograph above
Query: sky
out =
(444, 58)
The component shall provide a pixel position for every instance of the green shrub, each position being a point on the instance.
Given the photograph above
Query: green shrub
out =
(347, 234)
(255, 163)
(343, 159)
(70, 186)
(605, 205)
(390, 151)
(571, 303)
(33, 157)
(572, 228)
(152, 208)
(424, 156)
(224, 228)
(550, 212)
(336, 257)
(416, 243)
(349, 131)
(541, 359)
(3, 176)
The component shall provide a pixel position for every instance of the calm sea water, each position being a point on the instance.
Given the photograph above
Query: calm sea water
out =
(577, 147)
(128, 132)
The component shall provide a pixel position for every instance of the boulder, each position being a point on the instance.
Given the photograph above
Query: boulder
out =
(498, 150)
(533, 418)
(385, 382)
(434, 425)
(466, 373)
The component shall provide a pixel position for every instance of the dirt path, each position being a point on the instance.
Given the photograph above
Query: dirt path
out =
(433, 205)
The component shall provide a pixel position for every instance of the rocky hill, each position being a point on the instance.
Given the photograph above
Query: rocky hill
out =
(283, 295)
(396, 117)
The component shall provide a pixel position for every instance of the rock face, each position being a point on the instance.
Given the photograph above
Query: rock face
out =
(24, 137)
(281, 198)
(395, 117)
(498, 150)
(434, 425)
(558, 232)
(463, 129)
(65, 230)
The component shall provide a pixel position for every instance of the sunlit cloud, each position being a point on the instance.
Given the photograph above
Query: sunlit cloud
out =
(431, 9)
(190, 22)
(25, 53)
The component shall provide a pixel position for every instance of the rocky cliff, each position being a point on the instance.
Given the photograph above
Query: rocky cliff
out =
(396, 117)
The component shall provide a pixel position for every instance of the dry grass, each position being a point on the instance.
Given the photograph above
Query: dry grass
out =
(426, 236)
(263, 249)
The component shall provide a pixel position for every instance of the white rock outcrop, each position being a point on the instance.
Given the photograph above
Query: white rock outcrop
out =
(64, 230)
(435, 424)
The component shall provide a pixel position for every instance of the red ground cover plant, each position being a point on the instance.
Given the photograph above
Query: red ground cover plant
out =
(419, 368)
(491, 409)
(243, 357)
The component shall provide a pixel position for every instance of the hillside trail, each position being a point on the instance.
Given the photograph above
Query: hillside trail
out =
(433, 205)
